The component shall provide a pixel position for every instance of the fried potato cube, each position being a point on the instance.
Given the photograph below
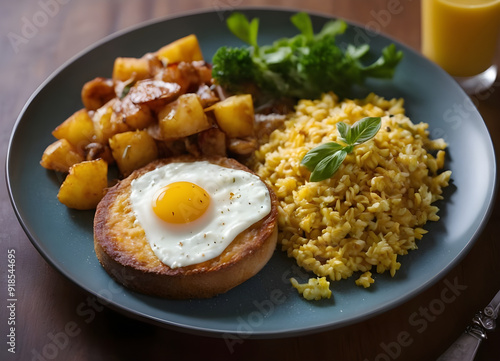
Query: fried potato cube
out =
(85, 185)
(60, 156)
(235, 115)
(131, 68)
(78, 129)
(184, 49)
(133, 150)
(107, 123)
(182, 118)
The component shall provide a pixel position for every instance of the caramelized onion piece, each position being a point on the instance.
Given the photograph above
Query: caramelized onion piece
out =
(145, 91)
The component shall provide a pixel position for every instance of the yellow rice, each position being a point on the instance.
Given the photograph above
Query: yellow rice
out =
(376, 205)
(316, 289)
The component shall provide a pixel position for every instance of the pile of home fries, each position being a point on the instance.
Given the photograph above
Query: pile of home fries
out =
(159, 105)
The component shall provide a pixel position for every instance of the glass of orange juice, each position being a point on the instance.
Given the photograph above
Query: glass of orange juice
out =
(462, 36)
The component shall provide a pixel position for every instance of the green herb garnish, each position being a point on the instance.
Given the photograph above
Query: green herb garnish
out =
(125, 88)
(244, 29)
(324, 160)
(302, 66)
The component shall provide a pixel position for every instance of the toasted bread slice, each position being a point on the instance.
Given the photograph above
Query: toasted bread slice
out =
(124, 252)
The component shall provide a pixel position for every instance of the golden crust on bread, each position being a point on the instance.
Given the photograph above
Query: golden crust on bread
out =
(124, 252)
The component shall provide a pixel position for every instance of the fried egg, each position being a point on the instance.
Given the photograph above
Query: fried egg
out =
(192, 211)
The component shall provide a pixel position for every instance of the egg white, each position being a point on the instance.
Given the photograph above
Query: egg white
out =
(238, 199)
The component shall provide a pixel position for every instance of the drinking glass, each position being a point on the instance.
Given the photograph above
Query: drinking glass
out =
(462, 37)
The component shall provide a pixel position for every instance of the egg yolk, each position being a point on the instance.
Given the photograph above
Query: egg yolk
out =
(180, 202)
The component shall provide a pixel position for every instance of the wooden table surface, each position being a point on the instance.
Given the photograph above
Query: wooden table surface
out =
(47, 301)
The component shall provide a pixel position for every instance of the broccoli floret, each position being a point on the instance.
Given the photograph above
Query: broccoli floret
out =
(325, 67)
(232, 67)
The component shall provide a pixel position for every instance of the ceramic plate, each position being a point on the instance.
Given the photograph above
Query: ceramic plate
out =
(266, 305)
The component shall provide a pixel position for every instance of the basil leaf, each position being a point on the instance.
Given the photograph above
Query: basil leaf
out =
(254, 32)
(328, 166)
(364, 130)
(384, 67)
(344, 130)
(332, 29)
(324, 160)
(302, 21)
(316, 155)
(243, 29)
(356, 53)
